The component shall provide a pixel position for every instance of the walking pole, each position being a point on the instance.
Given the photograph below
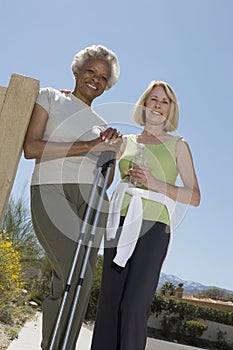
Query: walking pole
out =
(105, 162)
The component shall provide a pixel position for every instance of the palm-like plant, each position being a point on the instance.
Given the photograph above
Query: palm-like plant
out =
(168, 288)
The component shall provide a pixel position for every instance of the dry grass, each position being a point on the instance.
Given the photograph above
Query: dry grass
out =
(15, 319)
(4, 339)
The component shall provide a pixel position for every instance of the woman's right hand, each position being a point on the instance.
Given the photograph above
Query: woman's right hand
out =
(110, 135)
(109, 140)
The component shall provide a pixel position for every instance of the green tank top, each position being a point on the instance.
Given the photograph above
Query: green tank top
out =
(161, 160)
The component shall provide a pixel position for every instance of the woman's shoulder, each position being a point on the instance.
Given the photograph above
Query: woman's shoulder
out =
(46, 93)
(48, 90)
(175, 139)
(180, 141)
(182, 146)
(50, 95)
(47, 97)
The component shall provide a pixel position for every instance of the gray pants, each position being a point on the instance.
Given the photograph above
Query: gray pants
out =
(127, 293)
(57, 213)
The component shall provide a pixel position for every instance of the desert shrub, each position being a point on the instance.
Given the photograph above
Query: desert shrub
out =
(194, 328)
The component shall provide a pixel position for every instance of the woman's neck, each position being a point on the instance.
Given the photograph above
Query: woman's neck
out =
(153, 131)
(80, 96)
(152, 136)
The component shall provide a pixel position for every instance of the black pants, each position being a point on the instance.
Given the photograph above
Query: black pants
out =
(127, 293)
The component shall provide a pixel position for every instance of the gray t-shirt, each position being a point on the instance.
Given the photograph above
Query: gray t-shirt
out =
(70, 120)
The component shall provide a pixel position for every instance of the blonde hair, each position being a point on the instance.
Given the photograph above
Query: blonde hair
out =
(98, 51)
(172, 120)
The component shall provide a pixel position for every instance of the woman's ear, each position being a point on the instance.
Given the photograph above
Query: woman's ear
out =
(76, 75)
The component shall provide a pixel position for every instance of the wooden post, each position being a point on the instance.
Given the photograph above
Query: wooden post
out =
(2, 96)
(16, 105)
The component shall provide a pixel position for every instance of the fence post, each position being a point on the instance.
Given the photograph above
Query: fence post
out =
(16, 105)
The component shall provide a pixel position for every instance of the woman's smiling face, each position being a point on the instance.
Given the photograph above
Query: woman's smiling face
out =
(157, 106)
(92, 79)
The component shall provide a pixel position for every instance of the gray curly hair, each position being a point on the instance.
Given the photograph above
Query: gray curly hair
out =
(98, 51)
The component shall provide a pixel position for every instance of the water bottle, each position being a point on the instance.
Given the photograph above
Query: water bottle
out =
(138, 159)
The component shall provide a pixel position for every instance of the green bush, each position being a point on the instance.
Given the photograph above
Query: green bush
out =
(170, 325)
(189, 311)
(194, 328)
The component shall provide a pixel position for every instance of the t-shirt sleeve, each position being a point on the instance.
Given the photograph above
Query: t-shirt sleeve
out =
(44, 98)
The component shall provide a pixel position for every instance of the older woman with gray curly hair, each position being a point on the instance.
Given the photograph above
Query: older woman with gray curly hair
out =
(65, 137)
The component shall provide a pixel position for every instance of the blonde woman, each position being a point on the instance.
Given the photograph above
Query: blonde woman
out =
(142, 210)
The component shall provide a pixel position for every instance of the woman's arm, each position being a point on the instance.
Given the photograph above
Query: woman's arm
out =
(189, 193)
(35, 147)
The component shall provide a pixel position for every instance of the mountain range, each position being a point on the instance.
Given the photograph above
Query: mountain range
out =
(190, 287)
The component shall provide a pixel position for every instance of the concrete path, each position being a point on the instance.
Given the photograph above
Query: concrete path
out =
(30, 338)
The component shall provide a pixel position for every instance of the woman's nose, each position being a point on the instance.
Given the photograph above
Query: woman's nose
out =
(96, 77)
(157, 103)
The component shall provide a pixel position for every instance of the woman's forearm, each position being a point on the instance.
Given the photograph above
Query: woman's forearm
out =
(37, 149)
(185, 195)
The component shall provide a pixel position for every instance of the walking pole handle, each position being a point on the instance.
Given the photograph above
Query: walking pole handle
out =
(105, 159)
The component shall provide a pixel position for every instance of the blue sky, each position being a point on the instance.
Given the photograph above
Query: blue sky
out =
(186, 43)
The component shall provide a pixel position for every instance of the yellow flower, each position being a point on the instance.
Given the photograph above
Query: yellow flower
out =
(10, 269)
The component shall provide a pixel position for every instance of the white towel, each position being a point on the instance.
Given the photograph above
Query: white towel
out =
(133, 220)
